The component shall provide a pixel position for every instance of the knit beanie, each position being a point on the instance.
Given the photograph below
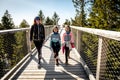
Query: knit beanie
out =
(37, 18)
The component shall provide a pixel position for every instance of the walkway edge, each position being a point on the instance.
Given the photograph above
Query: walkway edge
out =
(89, 73)
(13, 70)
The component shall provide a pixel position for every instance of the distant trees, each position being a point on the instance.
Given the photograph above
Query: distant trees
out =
(48, 20)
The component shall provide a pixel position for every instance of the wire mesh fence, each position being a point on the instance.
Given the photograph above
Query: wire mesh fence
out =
(110, 60)
(110, 54)
(89, 51)
(14, 46)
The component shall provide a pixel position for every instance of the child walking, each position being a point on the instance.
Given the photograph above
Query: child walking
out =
(67, 40)
(55, 43)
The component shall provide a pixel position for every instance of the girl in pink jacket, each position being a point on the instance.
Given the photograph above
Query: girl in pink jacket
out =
(67, 40)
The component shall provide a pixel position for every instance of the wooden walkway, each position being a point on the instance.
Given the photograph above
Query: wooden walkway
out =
(48, 69)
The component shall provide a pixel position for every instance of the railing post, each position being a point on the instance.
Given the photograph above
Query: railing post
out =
(28, 40)
(45, 32)
(100, 43)
(79, 38)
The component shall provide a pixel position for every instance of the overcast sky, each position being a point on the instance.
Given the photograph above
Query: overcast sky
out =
(28, 9)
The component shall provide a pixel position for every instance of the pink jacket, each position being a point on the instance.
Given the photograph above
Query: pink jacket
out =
(72, 39)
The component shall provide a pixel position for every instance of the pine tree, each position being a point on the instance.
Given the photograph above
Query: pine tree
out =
(67, 22)
(80, 16)
(23, 42)
(7, 42)
(105, 14)
(0, 26)
(8, 38)
(21, 45)
(41, 15)
(48, 21)
(55, 18)
(6, 21)
(24, 24)
(1, 54)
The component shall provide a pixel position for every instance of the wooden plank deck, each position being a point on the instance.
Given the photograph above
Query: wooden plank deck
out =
(48, 69)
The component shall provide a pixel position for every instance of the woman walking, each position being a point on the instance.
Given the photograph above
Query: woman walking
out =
(37, 35)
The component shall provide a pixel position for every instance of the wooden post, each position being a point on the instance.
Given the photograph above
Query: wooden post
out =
(79, 39)
(28, 40)
(100, 43)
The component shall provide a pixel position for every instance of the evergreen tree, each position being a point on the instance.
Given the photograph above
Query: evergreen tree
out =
(78, 21)
(80, 18)
(55, 18)
(24, 24)
(7, 42)
(48, 21)
(0, 26)
(67, 22)
(41, 15)
(113, 12)
(6, 21)
(21, 45)
(8, 38)
(105, 14)
(23, 42)
(1, 54)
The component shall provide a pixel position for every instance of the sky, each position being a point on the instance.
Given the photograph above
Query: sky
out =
(29, 9)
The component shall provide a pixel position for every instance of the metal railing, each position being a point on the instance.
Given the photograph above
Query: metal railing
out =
(15, 47)
(100, 49)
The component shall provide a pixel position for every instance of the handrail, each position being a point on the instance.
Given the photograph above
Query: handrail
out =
(13, 30)
(104, 33)
(18, 29)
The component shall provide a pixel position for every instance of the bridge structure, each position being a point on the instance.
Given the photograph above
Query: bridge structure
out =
(96, 56)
